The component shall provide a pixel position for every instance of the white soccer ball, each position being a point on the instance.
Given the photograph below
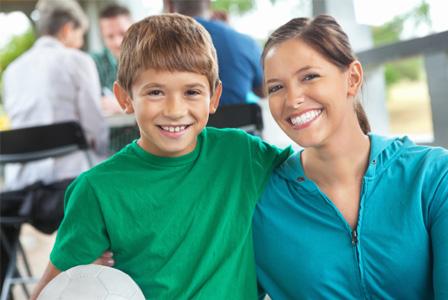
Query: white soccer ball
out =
(92, 282)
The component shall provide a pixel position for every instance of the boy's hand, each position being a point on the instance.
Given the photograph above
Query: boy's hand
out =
(105, 260)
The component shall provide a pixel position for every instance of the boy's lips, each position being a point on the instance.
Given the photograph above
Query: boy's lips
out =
(305, 118)
(173, 130)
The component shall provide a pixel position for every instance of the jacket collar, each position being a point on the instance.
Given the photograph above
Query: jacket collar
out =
(383, 151)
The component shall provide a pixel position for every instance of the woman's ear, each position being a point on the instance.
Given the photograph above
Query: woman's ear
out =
(355, 77)
(123, 98)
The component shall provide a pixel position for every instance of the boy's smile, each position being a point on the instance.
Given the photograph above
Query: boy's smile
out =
(171, 109)
(173, 131)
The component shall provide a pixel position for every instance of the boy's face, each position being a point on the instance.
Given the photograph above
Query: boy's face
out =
(171, 109)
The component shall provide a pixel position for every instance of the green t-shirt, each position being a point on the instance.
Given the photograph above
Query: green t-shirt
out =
(180, 227)
(107, 67)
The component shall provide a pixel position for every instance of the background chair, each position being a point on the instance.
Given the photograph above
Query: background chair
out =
(246, 116)
(121, 136)
(21, 146)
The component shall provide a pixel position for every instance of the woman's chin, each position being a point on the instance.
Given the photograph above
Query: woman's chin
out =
(306, 139)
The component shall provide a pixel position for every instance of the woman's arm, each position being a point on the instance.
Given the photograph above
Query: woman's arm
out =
(439, 239)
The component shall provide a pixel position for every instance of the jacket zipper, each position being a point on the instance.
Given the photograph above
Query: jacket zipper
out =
(354, 237)
(353, 233)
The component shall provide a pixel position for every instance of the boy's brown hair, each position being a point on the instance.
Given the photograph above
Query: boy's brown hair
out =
(170, 42)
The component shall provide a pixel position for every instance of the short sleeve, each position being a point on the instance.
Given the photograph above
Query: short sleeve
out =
(82, 236)
(264, 158)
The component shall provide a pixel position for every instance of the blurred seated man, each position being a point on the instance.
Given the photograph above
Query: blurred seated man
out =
(238, 54)
(53, 82)
(114, 22)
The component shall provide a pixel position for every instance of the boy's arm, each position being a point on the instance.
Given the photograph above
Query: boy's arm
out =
(50, 272)
(266, 157)
(82, 236)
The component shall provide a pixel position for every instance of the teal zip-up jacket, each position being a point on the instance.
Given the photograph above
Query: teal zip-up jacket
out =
(305, 249)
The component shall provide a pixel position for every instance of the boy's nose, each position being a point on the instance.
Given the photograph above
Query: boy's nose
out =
(175, 108)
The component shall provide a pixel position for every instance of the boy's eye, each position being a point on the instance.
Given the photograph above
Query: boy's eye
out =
(192, 92)
(274, 88)
(155, 93)
(309, 77)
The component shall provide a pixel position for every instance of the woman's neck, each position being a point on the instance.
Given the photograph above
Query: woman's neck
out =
(343, 159)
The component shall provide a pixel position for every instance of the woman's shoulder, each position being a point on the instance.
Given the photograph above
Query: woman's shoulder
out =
(427, 152)
(404, 146)
(422, 160)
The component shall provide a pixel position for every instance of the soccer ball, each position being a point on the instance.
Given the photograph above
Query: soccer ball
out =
(92, 282)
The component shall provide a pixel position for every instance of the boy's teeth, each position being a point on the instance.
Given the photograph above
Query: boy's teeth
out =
(174, 128)
(306, 117)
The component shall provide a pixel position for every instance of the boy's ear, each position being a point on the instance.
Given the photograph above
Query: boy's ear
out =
(214, 100)
(123, 98)
(355, 75)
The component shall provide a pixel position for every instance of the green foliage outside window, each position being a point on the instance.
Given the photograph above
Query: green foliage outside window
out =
(407, 69)
(239, 6)
(16, 46)
(236, 6)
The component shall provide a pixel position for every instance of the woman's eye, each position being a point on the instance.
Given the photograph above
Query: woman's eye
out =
(274, 88)
(309, 77)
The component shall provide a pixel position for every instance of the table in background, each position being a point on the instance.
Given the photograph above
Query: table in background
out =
(123, 130)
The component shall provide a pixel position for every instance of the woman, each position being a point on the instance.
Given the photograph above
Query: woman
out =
(353, 215)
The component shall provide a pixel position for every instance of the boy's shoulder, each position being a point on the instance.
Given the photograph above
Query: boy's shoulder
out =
(229, 133)
(120, 161)
(235, 138)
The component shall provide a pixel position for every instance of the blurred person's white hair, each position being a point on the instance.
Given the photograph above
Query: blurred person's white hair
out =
(45, 11)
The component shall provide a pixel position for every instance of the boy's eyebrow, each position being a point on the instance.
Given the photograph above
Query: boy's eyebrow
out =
(153, 84)
(197, 84)
(161, 85)
(303, 69)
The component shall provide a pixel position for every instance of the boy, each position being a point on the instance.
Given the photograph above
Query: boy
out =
(175, 207)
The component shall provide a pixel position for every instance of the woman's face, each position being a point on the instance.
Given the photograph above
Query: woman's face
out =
(310, 98)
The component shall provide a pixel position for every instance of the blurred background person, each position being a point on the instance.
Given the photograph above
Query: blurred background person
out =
(114, 22)
(220, 15)
(52, 82)
(238, 54)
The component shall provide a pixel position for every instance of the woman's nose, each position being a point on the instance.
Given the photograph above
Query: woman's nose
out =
(294, 96)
